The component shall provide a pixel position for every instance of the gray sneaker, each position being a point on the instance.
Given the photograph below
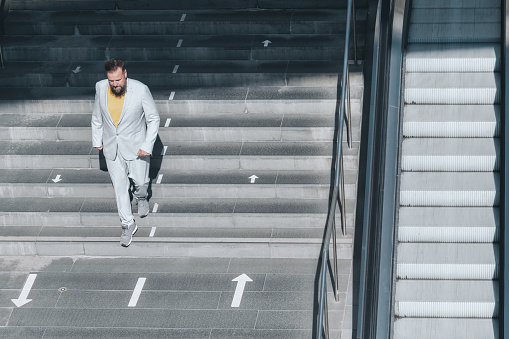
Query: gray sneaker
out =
(143, 207)
(127, 234)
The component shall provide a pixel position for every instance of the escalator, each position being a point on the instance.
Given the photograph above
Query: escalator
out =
(448, 227)
(431, 248)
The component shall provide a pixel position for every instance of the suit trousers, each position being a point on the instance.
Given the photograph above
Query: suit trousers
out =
(121, 171)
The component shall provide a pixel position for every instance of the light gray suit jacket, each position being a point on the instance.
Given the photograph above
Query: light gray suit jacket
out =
(138, 125)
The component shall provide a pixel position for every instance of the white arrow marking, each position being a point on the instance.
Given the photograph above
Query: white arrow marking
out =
(180, 42)
(183, 17)
(57, 179)
(253, 178)
(175, 69)
(167, 124)
(22, 300)
(137, 292)
(159, 179)
(239, 291)
(77, 70)
(172, 95)
(163, 152)
(266, 43)
(152, 231)
(156, 206)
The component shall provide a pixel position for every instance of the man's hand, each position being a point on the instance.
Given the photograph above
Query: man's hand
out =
(142, 153)
(98, 148)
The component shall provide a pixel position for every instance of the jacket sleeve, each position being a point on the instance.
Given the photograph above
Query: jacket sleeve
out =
(152, 119)
(97, 121)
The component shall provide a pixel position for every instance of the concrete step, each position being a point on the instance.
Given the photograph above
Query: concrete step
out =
(447, 261)
(174, 47)
(450, 328)
(449, 224)
(177, 74)
(447, 298)
(445, 189)
(452, 58)
(185, 213)
(90, 241)
(215, 128)
(450, 154)
(190, 156)
(261, 99)
(185, 22)
(267, 227)
(177, 4)
(451, 121)
(216, 134)
(177, 184)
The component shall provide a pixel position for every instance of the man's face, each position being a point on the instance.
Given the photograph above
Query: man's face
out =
(118, 81)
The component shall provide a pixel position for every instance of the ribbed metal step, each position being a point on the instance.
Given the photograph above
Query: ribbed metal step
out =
(450, 155)
(421, 328)
(452, 88)
(449, 189)
(456, 4)
(455, 58)
(447, 299)
(447, 261)
(448, 224)
(452, 121)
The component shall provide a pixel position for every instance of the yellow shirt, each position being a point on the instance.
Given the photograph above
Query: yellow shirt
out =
(115, 105)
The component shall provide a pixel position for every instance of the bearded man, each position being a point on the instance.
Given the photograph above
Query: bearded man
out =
(125, 123)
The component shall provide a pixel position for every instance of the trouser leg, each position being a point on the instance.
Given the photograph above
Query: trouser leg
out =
(139, 173)
(118, 170)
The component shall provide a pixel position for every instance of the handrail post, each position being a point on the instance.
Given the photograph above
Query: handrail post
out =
(348, 107)
(335, 264)
(326, 320)
(342, 197)
(323, 292)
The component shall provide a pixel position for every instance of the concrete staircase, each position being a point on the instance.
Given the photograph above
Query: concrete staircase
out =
(240, 172)
(231, 107)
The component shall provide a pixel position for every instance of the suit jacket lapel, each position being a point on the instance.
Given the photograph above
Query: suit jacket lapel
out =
(127, 99)
(105, 97)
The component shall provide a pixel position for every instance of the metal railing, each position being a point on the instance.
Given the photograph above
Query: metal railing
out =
(338, 194)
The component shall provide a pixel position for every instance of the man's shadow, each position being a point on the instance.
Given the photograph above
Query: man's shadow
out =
(156, 160)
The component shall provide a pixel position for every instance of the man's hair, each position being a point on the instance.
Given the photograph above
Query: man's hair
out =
(113, 64)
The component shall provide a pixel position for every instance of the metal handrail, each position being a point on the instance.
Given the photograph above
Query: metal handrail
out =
(338, 194)
(4, 8)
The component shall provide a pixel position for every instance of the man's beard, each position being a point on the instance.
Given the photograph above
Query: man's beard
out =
(120, 93)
